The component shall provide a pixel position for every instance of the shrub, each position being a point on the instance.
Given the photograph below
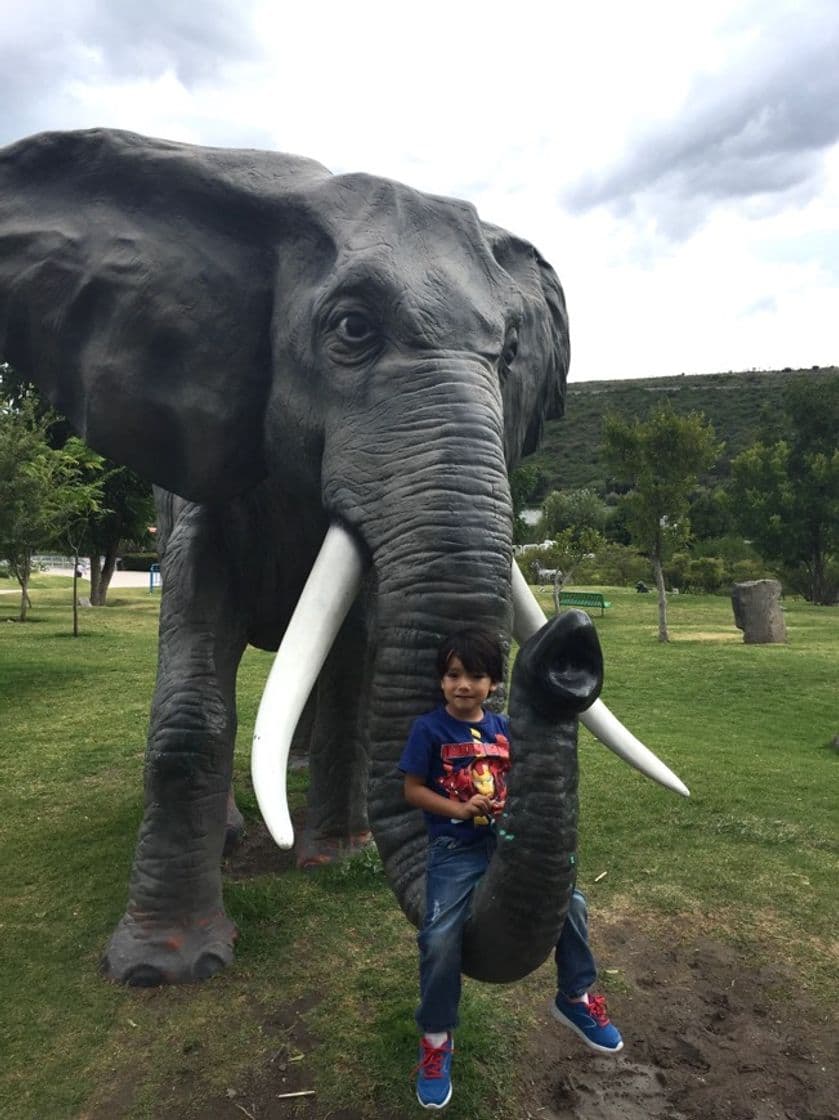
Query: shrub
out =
(706, 573)
(752, 568)
(730, 547)
(138, 561)
(615, 564)
(676, 568)
(798, 581)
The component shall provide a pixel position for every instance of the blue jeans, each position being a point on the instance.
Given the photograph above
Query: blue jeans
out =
(453, 871)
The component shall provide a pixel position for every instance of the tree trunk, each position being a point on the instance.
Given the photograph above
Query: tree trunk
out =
(663, 636)
(109, 566)
(75, 593)
(818, 590)
(23, 577)
(95, 577)
(108, 569)
(100, 577)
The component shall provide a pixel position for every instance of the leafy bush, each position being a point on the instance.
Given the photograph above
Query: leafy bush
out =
(616, 565)
(138, 561)
(705, 573)
(713, 565)
(730, 547)
(675, 569)
(798, 581)
(751, 568)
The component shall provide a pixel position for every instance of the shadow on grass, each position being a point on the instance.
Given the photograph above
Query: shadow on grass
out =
(22, 686)
(61, 634)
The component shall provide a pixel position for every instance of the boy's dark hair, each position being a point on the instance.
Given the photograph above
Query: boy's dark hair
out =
(478, 650)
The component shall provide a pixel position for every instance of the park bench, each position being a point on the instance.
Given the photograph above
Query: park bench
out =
(583, 599)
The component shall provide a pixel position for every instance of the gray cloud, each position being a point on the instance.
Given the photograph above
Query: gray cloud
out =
(760, 128)
(145, 39)
(88, 40)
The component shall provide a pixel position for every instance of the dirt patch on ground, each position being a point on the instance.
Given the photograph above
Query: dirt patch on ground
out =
(706, 636)
(257, 853)
(708, 1036)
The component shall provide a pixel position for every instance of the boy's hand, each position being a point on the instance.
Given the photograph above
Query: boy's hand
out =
(479, 805)
(421, 797)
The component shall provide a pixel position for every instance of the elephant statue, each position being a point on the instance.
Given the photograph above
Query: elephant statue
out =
(328, 378)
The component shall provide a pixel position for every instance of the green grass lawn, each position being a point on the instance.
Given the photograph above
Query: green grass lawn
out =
(751, 857)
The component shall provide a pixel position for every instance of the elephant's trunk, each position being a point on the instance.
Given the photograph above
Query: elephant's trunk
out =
(473, 588)
(520, 904)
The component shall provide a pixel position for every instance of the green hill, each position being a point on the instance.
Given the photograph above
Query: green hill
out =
(737, 404)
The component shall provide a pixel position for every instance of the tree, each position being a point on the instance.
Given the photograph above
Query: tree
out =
(575, 519)
(710, 514)
(524, 482)
(126, 507)
(661, 459)
(126, 513)
(575, 510)
(91, 478)
(42, 490)
(784, 495)
(570, 547)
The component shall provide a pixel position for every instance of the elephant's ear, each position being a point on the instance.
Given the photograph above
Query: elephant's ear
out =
(535, 390)
(137, 291)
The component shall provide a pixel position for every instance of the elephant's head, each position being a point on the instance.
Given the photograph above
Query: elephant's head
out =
(215, 319)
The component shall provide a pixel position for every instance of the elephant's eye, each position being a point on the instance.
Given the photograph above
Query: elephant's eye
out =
(353, 337)
(354, 327)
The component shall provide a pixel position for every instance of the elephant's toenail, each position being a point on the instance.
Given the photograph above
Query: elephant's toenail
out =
(207, 965)
(145, 976)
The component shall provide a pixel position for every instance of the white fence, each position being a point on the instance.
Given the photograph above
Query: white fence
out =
(51, 560)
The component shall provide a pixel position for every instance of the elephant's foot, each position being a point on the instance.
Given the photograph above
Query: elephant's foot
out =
(146, 952)
(313, 850)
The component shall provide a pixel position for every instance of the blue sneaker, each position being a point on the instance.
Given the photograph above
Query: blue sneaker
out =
(590, 1021)
(434, 1074)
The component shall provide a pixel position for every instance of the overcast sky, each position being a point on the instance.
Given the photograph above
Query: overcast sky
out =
(677, 162)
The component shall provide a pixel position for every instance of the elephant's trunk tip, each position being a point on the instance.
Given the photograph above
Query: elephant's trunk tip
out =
(563, 665)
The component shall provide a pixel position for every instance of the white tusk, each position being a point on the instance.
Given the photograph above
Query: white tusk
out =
(332, 586)
(528, 617)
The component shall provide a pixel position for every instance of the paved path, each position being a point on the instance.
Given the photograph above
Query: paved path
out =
(118, 579)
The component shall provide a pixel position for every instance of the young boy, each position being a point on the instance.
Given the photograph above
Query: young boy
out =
(455, 763)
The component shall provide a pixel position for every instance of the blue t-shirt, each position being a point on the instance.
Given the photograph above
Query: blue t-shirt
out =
(458, 760)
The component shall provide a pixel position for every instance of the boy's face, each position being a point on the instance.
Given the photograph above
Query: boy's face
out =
(465, 692)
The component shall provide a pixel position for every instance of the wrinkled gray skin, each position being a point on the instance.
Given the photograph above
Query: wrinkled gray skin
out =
(284, 348)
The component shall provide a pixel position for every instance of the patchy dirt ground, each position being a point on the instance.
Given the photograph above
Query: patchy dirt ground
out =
(707, 1037)
(703, 1042)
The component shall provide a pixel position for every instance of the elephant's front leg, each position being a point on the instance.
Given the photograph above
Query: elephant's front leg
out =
(336, 818)
(175, 929)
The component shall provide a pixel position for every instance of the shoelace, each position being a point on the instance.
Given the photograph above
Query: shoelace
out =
(432, 1059)
(597, 1010)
